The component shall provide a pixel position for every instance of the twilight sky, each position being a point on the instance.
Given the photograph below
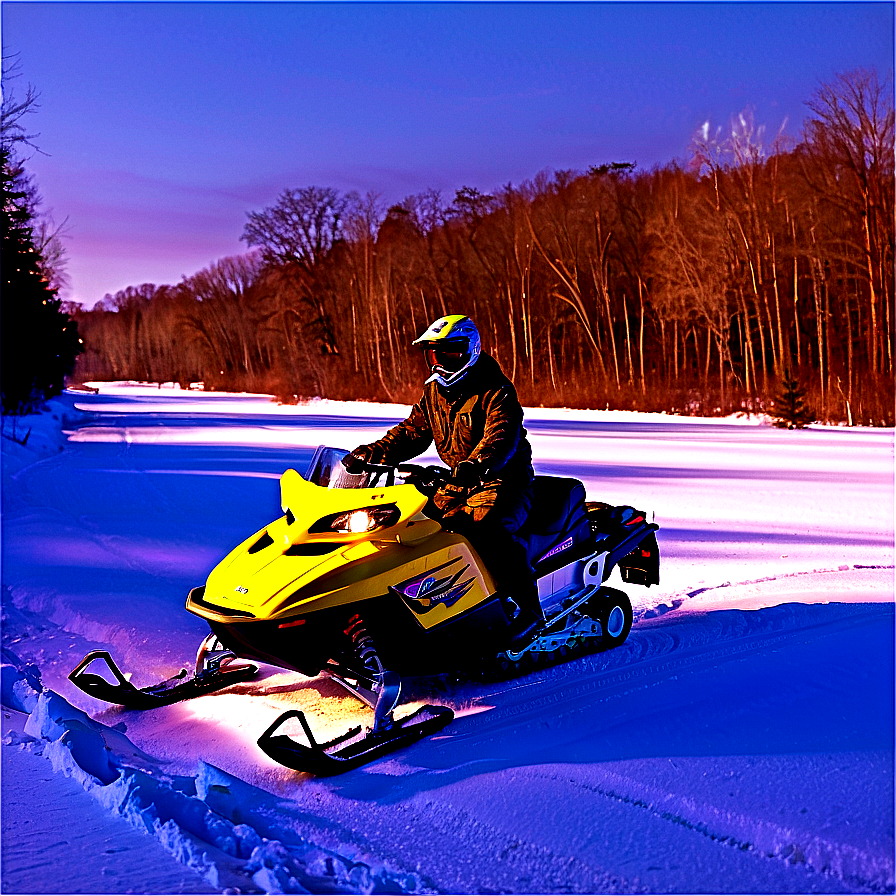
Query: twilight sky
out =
(164, 123)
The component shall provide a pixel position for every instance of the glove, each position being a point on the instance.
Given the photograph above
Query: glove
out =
(466, 474)
(357, 459)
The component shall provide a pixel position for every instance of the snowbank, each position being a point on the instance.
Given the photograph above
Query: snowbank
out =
(31, 437)
(192, 817)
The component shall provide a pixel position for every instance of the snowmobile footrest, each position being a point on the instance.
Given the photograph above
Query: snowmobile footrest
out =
(175, 689)
(353, 748)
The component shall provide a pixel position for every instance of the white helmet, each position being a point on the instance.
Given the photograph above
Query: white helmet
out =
(451, 346)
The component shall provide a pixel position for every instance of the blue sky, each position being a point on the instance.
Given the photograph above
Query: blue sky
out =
(162, 124)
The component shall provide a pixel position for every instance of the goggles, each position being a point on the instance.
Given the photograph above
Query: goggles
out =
(446, 357)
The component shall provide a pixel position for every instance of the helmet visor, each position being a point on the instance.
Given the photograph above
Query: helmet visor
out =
(446, 356)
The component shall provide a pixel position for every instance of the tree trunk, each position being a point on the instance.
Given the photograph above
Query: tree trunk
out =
(628, 342)
(641, 335)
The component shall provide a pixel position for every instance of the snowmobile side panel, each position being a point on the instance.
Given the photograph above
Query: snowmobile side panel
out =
(173, 690)
(374, 575)
(353, 748)
(287, 585)
(570, 554)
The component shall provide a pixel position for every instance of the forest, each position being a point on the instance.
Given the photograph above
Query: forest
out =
(695, 288)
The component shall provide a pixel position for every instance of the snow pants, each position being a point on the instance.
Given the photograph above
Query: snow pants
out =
(491, 518)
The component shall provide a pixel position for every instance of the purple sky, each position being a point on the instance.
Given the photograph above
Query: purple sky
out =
(164, 123)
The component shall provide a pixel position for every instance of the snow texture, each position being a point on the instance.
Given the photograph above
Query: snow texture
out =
(741, 740)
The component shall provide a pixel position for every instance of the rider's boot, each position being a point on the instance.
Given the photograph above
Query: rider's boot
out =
(528, 621)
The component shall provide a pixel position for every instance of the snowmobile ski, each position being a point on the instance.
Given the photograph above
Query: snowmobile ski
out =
(352, 749)
(173, 690)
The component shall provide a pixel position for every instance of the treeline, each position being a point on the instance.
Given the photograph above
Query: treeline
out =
(38, 340)
(692, 290)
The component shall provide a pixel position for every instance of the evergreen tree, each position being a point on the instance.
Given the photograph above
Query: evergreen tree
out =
(790, 410)
(38, 341)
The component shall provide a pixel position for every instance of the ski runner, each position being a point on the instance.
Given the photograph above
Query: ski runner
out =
(471, 410)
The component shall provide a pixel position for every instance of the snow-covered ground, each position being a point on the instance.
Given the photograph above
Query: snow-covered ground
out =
(741, 740)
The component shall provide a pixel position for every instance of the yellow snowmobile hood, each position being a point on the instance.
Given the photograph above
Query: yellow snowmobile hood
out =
(263, 577)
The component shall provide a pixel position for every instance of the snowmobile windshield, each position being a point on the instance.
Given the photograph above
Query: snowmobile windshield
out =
(327, 471)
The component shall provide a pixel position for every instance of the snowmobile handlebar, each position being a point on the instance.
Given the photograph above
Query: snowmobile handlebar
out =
(418, 471)
(425, 478)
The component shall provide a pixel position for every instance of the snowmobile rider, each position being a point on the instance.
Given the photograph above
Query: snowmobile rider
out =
(471, 410)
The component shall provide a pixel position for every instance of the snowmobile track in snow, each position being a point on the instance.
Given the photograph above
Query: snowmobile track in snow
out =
(659, 651)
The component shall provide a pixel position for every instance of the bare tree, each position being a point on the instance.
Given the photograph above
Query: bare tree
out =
(690, 268)
(301, 227)
(13, 109)
(849, 147)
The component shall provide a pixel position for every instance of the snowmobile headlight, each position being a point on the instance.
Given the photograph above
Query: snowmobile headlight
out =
(357, 522)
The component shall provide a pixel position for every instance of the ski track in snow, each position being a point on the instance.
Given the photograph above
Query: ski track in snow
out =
(741, 740)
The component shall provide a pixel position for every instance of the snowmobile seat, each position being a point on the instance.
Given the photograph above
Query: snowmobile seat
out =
(557, 530)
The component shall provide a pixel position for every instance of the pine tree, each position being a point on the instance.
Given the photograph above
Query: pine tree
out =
(790, 410)
(38, 341)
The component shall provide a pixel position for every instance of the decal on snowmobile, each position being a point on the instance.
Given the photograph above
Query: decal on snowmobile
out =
(427, 592)
(560, 547)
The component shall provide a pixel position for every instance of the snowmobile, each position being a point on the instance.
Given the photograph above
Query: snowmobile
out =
(356, 583)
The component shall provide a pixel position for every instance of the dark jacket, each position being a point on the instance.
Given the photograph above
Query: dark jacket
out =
(479, 419)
